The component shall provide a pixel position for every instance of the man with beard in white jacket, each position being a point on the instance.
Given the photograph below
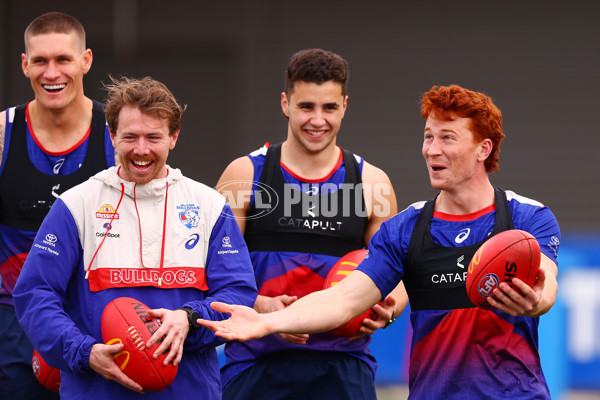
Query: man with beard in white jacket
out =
(139, 230)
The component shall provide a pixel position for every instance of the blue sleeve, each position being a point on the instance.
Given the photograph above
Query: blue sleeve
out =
(229, 275)
(385, 259)
(109, 150)
(542, 224)
(41, 292)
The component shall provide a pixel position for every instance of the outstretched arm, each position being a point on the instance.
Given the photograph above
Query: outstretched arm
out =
(318, 312)
(381, 203)
(236, 184)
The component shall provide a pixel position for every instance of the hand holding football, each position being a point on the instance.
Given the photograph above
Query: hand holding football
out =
(503, 257)
(126, 320)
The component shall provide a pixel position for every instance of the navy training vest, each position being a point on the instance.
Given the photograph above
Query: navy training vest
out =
(331, 223)
(26, 193)
(425, 258)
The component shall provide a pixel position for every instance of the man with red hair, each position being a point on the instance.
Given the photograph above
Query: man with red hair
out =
(458, 350)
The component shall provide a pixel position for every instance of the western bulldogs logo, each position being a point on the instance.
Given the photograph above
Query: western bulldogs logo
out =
(487, 284)
(188, 215)
(189, 218)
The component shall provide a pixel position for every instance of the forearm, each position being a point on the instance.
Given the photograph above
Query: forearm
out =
(314, 313)
(548, 298)
(550, 286)
(326, 309)
(261, 303)
(401, 297)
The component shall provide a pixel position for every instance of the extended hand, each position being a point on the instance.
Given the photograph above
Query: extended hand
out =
(102, 361)
(244, 324)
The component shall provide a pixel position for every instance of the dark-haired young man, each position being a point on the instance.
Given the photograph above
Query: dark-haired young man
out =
(326, 202)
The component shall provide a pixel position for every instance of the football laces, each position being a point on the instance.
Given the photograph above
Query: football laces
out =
(135, 337)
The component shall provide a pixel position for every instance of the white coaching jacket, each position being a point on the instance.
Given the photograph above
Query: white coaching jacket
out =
(154, 234)
(170, 243)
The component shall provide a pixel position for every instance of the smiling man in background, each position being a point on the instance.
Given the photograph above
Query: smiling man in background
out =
(56, 141)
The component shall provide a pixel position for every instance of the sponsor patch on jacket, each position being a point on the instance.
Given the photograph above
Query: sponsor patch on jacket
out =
(226, 244)
(163, 278)
(188, 215)
(106, 211)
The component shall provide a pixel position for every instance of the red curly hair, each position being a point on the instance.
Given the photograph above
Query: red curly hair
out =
(447, 102)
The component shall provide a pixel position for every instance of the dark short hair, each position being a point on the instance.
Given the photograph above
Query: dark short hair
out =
(316, 66)
(445, 102)
(54, 22)
(149, 95)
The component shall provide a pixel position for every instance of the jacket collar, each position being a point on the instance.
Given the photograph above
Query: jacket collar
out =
(154, 188)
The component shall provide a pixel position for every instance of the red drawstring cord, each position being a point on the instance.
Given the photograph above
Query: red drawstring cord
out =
(164, 235)
(162, 250)
(87, 271)
(139, 225)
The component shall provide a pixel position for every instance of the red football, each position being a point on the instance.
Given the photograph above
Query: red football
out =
(45, 374)
(339, 271)
(126, 320)
(507, 255)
